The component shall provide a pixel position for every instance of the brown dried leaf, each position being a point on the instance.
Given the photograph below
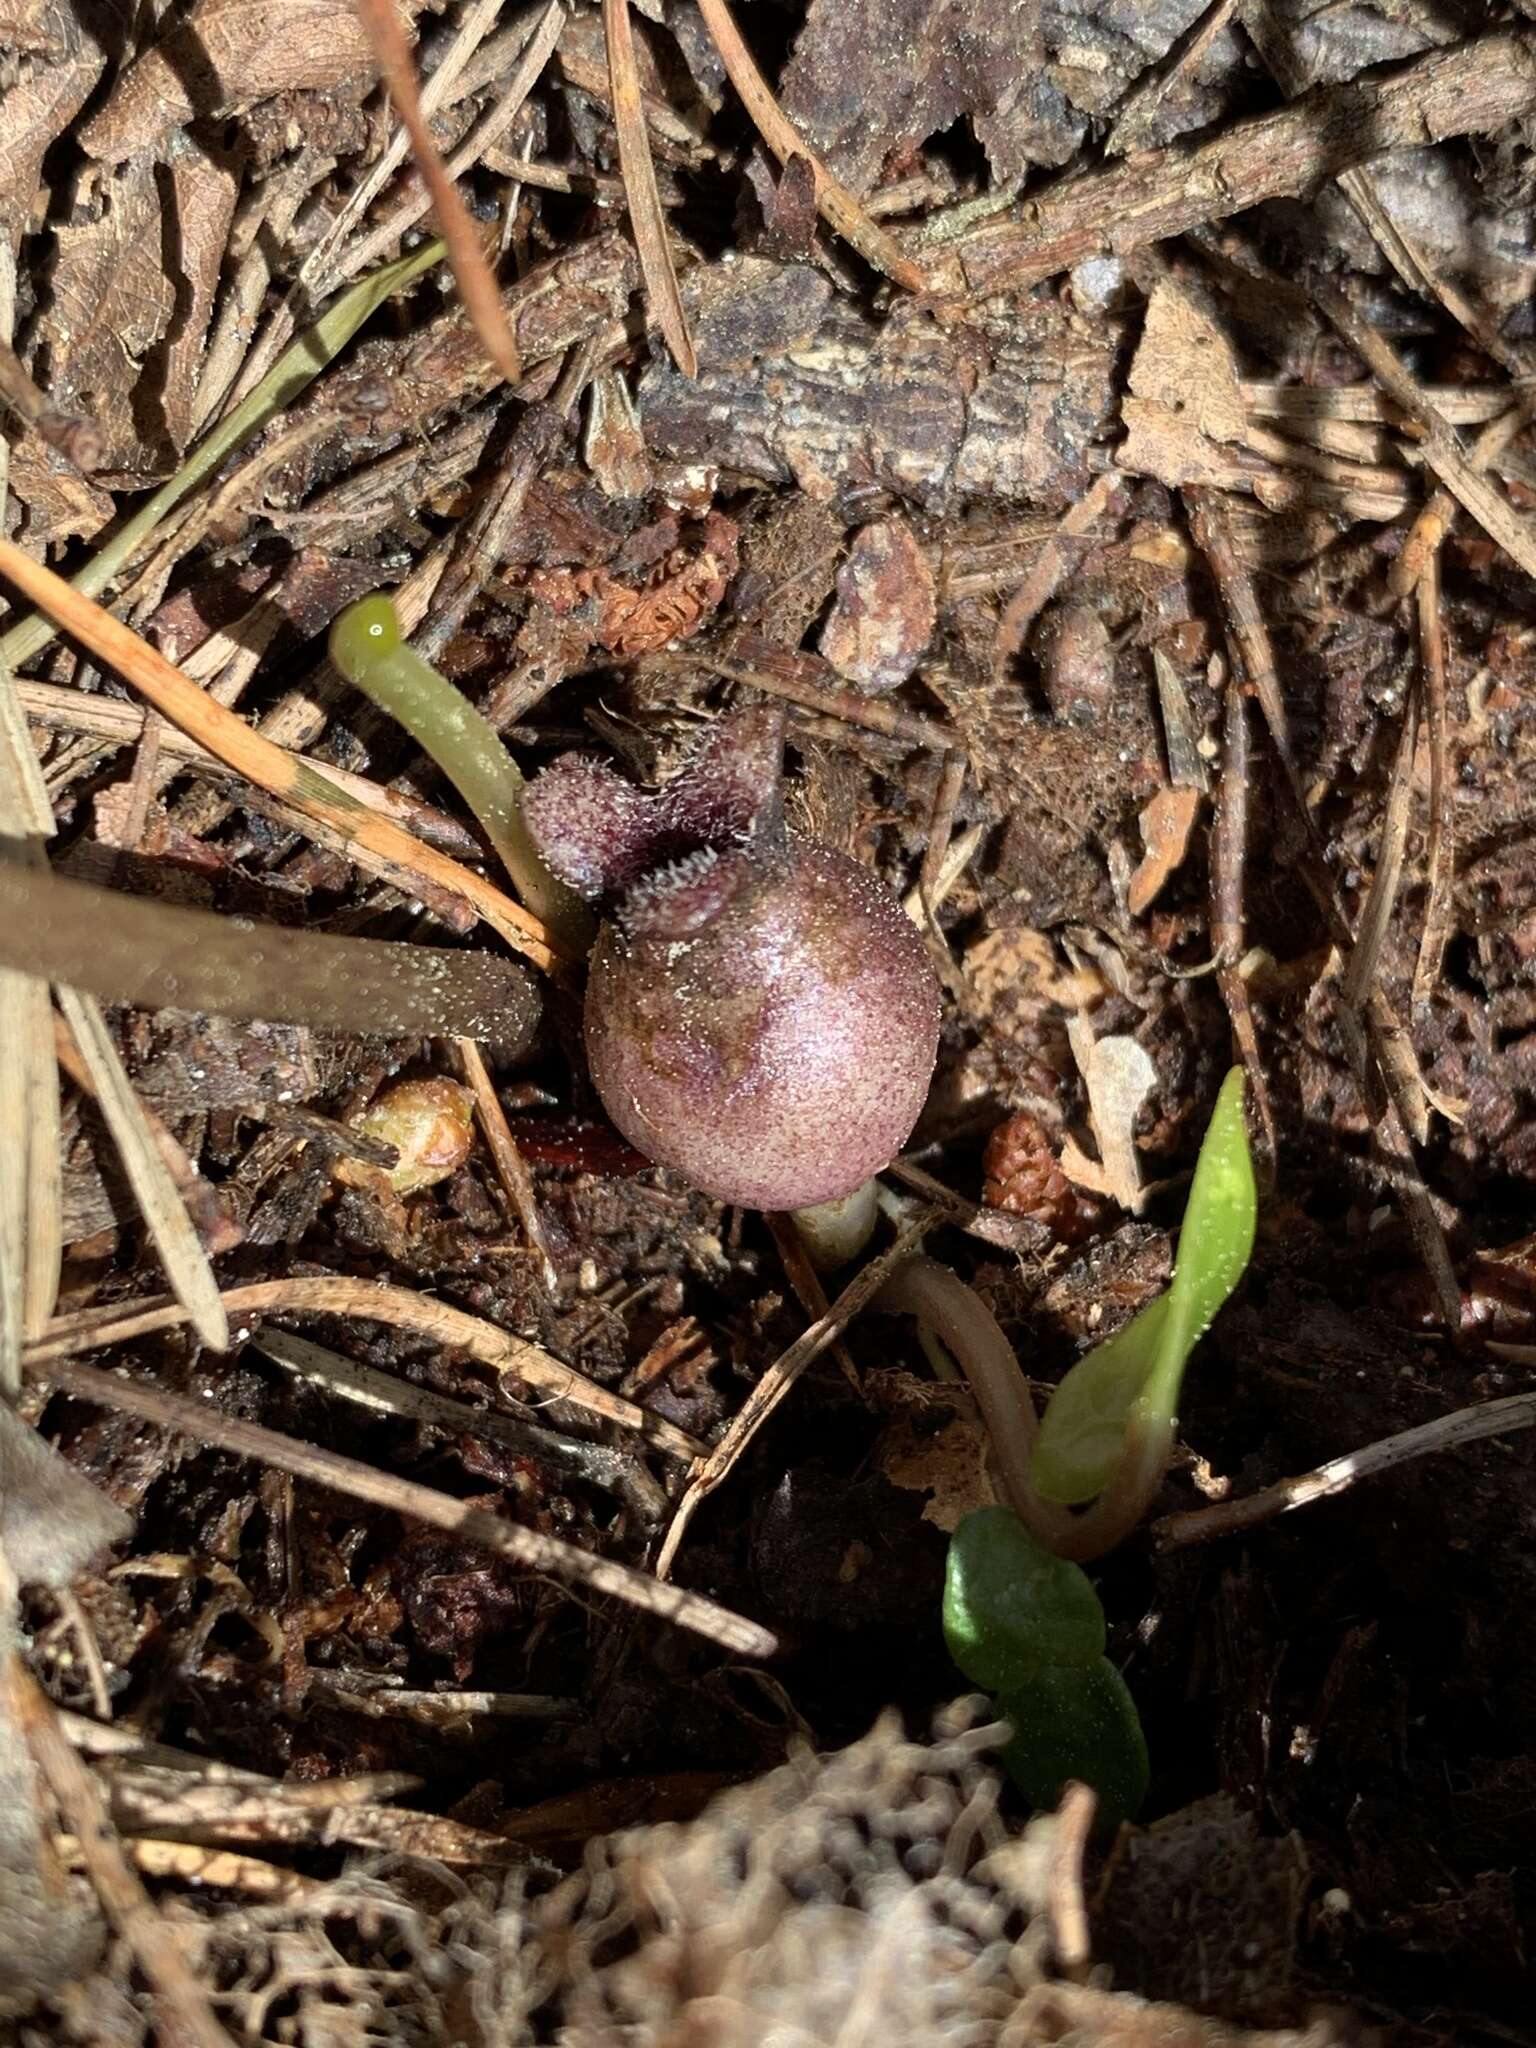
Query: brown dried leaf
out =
(1166, 824)
(226, 55)
(204, 189)
(59, 502)
(51, 87)
(112, 301)
(872, 80)
(1186, 402)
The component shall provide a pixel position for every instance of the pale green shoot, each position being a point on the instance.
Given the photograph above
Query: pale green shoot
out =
(1125, 1392)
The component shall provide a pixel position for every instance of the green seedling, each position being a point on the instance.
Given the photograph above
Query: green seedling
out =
(1028, 1626)
(1010, 1606)
(1077, 1721)
(370, 651)
(1119, 1404)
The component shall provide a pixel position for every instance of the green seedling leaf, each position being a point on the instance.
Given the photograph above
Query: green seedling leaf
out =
(1132, 1380)
(1083, 1430)
(1077, 1722)
(1011, 1607)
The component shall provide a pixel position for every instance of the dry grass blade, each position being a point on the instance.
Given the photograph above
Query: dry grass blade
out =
(29, 1248)
(713, 1470)
(154, 955)
(188, 2014)
(191, 1864)
(262, 762)
(1360, 974)
(511, 1168)
(1388, 1044)
(646, 215)
(1446, 1433)
(165, 1214)
(472, 274)
(437, 93)
(834, 202)
(528, 1548)
(339, 1294)
(122, 724)
(478, 145)
(1439, 911)
(614, 1471)
(31, 1192)
(31, 1152)
(1229, 868)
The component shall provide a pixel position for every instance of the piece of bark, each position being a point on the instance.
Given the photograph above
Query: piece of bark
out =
(908, 408)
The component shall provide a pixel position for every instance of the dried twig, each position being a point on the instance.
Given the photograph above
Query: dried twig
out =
(439, 92)
(1229, 867)
(339, 1294)
(929, 895)
(807, 680)
(256, 758)
(472, 274)
(1150, 90)
(479, 146)
(525, 1547)
(1365, 959)
(1446, 1433)
(511, 1168)
(941, 826)
(31, 1195)
(834, 202)
(79, 441)
(989, 1226)
(1475, 88)
(1049, 567)
(806, 1282)
(383, 1393)
(1406, 1105)
(1439, 911)
(1441, 449)
(643, 199)
(31, 1184)
(713, 1470)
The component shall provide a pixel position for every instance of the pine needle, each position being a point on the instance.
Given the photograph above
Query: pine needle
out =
(472, 274)
(646, 216)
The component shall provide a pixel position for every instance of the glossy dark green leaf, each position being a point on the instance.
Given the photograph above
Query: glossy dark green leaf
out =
(1011, 1607)
(1077, 1722)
